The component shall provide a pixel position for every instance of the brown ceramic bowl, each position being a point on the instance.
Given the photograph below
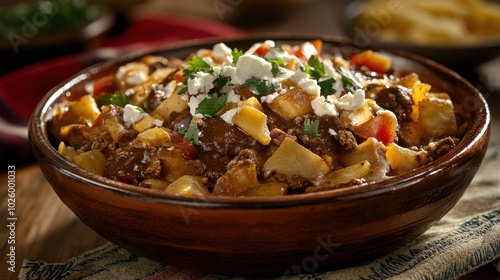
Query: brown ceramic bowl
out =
(273, 235)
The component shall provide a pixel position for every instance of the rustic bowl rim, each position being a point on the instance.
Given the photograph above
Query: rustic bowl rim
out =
(475, 139)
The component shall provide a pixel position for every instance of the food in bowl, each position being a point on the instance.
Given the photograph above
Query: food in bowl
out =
(270, 120)
(428, 22)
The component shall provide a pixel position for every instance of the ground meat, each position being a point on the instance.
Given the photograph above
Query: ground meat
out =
(395, 98)
(440, 148)
(132, 165)
(347, 140)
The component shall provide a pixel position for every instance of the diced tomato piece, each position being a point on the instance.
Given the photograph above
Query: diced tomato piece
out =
(105, 85)
(308, 49)
(179, 76)
(383, 127)
(262, 50)
(179, 142)
(98, 121)
(372, 60)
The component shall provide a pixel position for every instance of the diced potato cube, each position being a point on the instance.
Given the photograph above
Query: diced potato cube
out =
(254, 123)
(82, 111)
(402, 160)
(372, 151)
(235, 181)
(155, 136)
(155, 184)
(67, 153)
(267, 189)
(252, 101)
(174, 103)
(176, 165)
(188, 186)
(358, 117)
(413, 134)
(293, 159)
(92, 161)
(438, 117)
(295, 102)
(146, 122)
(341, 176)
(419, 92)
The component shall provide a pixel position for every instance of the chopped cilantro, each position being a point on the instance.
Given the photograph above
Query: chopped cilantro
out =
(221, 81)
(211, 105)
(315, 68)
(236, 53)
(311, 127)
(348, 80)
(118, 99)
(276, 66)
(327, 87)
(260, 87)
(196, 64)
(191, 133)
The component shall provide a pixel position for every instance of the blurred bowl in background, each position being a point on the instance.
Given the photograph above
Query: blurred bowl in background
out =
(369, 26)
(34, 31)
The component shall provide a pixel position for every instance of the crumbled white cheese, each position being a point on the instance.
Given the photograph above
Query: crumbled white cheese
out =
(352, 102)
(223, 52)
(247, 67)
(229, 114)
(321, 107)
(208, 60)
(193, 103)
(309, 50)
(89, 88)
(270, 97)
(254, 47)
(121, 72)
(201, 82)
(330, 72)
(158, 122)
(233, 97)
(131, 114)
(331, 131)
(309, 85)
(136, 78)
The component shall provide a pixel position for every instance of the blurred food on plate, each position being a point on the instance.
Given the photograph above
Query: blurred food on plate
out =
(430, 22)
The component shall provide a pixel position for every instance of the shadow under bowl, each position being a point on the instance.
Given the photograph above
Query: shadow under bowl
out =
(271, 235)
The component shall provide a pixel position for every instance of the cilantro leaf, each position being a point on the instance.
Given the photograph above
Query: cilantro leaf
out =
(260, 87)
(211, 105)
(348, 80)
(311, 127)
(315, 68)
(191, 133)
(221, 81)
(327, 87)
(276, 66)
(236, 53)
(196, 64)
(118, 99)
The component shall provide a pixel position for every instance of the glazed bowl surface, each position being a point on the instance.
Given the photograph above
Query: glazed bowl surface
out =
(271, 235)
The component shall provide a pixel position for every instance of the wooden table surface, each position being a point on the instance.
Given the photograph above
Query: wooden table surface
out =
(45, 229)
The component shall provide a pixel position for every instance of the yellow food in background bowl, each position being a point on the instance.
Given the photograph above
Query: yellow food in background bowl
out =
(429, 22)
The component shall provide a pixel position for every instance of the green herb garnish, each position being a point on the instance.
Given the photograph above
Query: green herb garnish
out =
(327, 87)
(221, 81)
(276, 66)
(191, 133)
(209, 106)
(236, 53)
(260, 87)
(315, 68)
(118, 99)
(348, 80)
(196, 64)
(311, 127)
